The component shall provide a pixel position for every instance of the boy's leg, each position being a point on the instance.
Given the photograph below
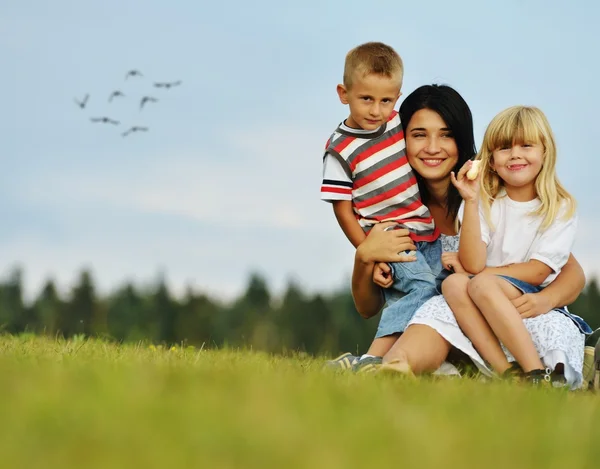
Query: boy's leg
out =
(417, 281)
(493, 296)
(432, 252)
(413, 276)
(472, 323)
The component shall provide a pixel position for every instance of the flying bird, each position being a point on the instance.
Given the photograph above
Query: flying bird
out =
(115, 94)
(135, 128)
(167, 84)
(83, 102)
(104, 120)
(133, 73)
(147, 99)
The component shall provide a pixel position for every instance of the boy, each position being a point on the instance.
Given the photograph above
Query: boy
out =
(368, 180)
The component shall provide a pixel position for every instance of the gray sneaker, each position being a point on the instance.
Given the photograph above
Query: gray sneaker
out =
(367, 364)
(343, 362)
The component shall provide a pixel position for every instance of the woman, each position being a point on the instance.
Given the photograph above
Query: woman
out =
(439, 139)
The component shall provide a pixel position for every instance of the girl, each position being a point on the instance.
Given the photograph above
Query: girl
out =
(518, 227)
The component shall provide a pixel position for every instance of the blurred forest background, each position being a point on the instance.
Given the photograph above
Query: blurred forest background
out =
(295, 322)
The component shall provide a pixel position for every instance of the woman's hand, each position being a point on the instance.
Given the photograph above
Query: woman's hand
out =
(531, 305)
(386, 246)
(450, 262)
(382, 275)
(469, 190)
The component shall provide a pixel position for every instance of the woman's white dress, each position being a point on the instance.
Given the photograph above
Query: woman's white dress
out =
(556, 337)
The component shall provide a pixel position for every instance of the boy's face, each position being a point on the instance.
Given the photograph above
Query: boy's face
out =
(371, 99)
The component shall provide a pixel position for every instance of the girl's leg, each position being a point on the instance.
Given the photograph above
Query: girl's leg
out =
(382, 345)
(419, 347)
(493, 296)
(472, 323)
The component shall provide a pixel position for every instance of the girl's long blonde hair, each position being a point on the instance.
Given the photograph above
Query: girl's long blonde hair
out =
(524, 124)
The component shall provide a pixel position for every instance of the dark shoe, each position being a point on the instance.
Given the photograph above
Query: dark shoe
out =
(343, 362)
(366, 365)
(514, 373)
(558, 380)
(538, 377)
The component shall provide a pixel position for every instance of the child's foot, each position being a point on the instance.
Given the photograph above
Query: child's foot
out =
(343, 362)
(366, 364)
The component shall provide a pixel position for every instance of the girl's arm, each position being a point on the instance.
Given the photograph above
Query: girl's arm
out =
(348, 222)
(383, 246)
(472, 251)
(533, 272)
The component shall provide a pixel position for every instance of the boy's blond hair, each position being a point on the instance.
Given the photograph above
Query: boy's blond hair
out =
(373, 58)
(518, 125)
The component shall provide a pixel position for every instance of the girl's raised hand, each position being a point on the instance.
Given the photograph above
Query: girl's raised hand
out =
(468, 189)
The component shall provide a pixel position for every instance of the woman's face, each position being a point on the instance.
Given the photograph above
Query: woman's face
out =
(430, 147)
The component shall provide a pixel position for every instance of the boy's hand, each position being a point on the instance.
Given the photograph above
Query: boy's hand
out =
(468, 189)
(450, 262)
(382, 275)
(386, 246)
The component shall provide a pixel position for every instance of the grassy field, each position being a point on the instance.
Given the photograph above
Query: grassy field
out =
(90, 404)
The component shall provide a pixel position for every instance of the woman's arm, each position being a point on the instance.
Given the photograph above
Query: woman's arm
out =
(368, 297)
(383, 246)
(564, 290)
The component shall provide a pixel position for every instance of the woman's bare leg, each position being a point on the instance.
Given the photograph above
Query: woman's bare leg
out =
(382, 345)
(421, 347)
(493, 296)
(472, 322)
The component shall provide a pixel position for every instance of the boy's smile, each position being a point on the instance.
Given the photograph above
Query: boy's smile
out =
(371, 99)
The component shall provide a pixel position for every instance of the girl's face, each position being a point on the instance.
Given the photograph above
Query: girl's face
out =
(518, 165)
(430, 147)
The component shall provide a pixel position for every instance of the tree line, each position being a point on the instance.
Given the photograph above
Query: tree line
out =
(295, 321)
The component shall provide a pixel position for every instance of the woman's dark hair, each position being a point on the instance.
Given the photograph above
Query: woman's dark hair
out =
(455, 112)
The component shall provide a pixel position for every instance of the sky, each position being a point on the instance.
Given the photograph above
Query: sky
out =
(226, 181)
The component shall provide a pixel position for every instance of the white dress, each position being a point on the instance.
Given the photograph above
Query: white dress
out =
(556, 337)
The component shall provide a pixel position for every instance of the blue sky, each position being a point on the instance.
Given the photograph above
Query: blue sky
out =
(227, 179)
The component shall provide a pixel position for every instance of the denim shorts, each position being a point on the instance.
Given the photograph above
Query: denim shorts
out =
(414, 284)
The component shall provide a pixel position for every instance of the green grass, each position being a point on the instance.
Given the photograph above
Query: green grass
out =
(89, 404)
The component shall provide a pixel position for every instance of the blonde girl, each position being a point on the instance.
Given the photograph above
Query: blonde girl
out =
(518, 226)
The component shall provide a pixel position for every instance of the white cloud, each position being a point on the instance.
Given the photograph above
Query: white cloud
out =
(208, 219)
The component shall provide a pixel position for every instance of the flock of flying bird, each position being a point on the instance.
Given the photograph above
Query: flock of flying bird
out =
(119, 94)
